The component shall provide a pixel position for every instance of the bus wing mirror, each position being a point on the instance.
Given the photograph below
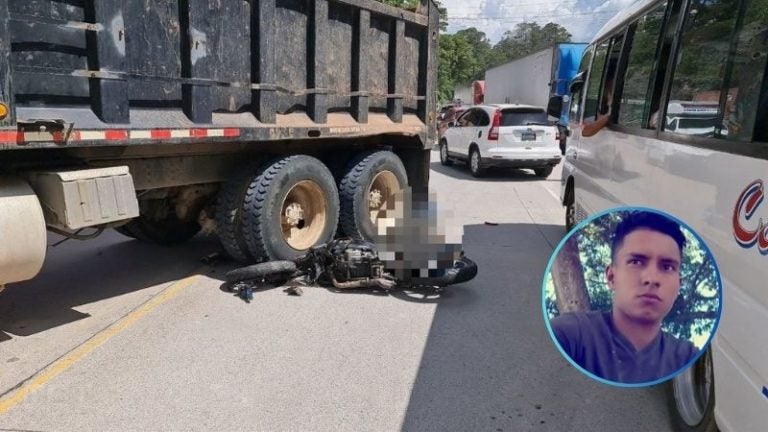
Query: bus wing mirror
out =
(576, 86)
(555, 106)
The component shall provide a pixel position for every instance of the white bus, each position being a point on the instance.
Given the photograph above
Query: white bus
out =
(685, 89)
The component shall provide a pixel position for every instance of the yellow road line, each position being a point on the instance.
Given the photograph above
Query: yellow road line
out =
(14, 397)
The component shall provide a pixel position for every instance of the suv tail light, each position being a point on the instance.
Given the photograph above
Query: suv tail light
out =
(493, 134)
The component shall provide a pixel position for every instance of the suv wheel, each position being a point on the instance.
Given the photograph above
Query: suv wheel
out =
(444, 154)
(475, 163)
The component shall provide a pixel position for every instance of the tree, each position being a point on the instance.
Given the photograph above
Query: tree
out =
(457, 64)
(568, 278)
(481, 49)
(414, 5)
(527, 38)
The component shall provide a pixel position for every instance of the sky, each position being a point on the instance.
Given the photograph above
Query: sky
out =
(582, 18)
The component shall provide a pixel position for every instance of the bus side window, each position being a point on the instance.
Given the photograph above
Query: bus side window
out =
(610, 82)
(575, 112)
(595, 81)
(643, 38)
(577, 97)
(697, 87)
(745, 108)
(661, 64)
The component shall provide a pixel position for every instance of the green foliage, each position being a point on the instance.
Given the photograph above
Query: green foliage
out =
(481, 51)
(694, 312)
(467, 54)
(404, 4)
(413, 5)
(458, 63)
(525, 39)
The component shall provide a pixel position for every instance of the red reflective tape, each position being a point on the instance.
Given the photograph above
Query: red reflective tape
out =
(161, 133)
(57, 137)
(198, 133)
(116, 135)
(231, 132)
(12, 137)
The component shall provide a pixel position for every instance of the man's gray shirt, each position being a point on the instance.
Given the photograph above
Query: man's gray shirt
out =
(592, 341)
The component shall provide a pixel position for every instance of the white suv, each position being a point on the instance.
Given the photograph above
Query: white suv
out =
(515, 136)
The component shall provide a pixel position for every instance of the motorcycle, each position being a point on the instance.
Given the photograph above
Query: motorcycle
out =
(345, 264)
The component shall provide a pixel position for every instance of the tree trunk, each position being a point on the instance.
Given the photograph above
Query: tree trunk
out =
(568, 277)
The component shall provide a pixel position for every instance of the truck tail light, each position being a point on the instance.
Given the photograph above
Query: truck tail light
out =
(493, 134)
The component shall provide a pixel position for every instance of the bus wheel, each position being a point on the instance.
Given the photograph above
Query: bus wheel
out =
(229, 210)
(570, 216)
(692, 397)
(290, 205)
(371, 179)
(570, 210)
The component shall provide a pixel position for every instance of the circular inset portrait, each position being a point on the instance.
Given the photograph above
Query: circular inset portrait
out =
(632, 296)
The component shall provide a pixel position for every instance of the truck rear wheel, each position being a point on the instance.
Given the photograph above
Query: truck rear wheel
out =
(290, 205)
(371, 179)
(229, 211)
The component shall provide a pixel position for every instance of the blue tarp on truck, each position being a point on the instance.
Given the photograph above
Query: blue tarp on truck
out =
(567, 57)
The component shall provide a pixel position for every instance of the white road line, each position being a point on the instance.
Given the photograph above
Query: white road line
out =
(554, 195)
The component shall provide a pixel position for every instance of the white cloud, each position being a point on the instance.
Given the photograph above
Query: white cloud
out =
(582, 18)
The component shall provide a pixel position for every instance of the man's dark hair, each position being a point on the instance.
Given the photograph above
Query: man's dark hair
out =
(646, 220)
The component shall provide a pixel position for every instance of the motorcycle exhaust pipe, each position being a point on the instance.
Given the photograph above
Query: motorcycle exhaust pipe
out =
(382, 283)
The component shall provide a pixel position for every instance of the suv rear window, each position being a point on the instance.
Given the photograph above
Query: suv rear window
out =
(520, 117)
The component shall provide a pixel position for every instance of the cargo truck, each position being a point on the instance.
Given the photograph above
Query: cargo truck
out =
(273, 124)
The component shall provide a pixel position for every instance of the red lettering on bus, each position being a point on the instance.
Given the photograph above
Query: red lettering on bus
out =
(749, 200)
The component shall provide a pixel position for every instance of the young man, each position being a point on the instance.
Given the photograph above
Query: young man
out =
(627, 344)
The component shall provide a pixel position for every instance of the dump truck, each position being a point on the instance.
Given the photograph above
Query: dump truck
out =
(275, 125)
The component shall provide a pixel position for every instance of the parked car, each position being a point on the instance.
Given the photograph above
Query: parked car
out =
(515, 136)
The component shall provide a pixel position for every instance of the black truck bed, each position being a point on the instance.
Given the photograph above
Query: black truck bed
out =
(121, 72)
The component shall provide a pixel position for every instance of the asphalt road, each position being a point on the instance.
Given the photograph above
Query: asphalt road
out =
(118, 335)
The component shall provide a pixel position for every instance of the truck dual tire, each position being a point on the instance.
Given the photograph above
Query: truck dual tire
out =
(290, 205)
(229, 215)
(370, 180)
